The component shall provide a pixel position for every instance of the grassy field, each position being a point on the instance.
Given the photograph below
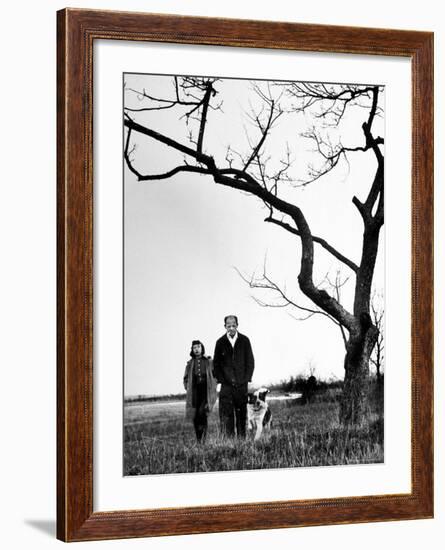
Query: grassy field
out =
(158, 439)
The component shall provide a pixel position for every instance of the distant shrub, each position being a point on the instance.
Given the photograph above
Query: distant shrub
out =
(154, 398)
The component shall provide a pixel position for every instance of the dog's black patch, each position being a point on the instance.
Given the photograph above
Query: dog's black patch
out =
(267, 416)
(262, 396)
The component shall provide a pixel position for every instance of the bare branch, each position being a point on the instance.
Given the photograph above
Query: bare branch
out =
(127, 154)
(205, 106)
(266, 283)
(274, 113)
(331, 100)
(318, 240)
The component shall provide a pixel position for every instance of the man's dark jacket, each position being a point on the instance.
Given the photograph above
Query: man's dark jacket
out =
(233, 365)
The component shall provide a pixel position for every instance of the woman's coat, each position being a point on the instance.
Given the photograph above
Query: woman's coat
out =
(188, 385)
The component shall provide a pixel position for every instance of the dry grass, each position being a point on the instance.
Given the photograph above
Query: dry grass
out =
(158, 440)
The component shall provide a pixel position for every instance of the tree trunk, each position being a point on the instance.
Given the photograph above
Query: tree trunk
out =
(378, 373)
(354, 406)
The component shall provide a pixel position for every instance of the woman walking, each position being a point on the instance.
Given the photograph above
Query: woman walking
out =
(200, 386)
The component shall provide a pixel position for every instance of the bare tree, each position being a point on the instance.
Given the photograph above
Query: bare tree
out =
(256, 173)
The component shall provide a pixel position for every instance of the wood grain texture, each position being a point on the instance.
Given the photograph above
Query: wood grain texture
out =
(77, 30)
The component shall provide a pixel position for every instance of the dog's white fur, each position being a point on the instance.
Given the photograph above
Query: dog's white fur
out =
(258, 412)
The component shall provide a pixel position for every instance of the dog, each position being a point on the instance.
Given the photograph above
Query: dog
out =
(259, 416)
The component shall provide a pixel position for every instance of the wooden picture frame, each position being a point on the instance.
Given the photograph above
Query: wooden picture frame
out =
(77, 31)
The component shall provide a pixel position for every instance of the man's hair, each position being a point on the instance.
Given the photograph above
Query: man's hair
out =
(230, 317)
(194, 343)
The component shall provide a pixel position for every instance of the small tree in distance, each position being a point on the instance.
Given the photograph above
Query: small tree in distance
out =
(378, 354)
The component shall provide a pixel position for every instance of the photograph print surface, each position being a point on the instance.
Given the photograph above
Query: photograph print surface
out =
(253, 274)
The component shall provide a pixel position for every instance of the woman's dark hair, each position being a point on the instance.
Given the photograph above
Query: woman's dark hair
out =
(194, 344)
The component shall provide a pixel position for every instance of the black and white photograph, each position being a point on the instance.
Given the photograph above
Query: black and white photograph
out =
(253, 274)
(223, 266)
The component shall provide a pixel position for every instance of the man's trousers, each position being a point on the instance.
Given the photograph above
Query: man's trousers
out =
(233, 409)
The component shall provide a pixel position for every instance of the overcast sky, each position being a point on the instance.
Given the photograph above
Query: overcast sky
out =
(184, 237)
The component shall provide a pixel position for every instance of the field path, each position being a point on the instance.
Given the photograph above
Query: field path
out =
(139, 413)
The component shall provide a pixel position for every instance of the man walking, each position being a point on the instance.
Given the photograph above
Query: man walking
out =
(233, 363)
